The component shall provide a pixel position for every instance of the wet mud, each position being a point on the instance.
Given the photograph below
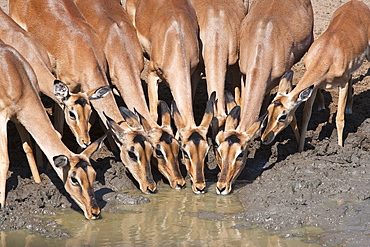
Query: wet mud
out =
(325, 186)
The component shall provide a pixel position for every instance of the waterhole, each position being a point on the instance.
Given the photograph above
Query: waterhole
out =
(171, 218)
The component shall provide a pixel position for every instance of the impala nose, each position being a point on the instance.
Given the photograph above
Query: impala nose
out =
(200, 190)
(268, 138)
(180, 186)
(95, 215)
(221, 190)
(152, 190)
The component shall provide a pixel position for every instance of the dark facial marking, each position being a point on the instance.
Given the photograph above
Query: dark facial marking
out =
(81, 101)
(232, 139)
(82, 164)
(277, 103)
(167, 138)
(140, 139)
(196, 138)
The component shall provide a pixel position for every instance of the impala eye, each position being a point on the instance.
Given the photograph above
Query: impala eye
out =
(186, 155)
(282, 118)
(72, 115)
(159, 153)
(240, 156)
(74, 181)
(132, 155)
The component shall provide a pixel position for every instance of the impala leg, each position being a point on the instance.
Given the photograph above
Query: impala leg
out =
(349, 96)
(153, 94)
(342, 100)
(294, 127)
(4, 159)
(306, 118)
(26, 144)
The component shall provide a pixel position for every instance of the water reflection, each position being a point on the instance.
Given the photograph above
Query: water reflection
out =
(172, 218)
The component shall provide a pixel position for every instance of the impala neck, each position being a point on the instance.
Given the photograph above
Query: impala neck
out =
(253, 93)
(109, 106)
(37, 123)
(315, 75)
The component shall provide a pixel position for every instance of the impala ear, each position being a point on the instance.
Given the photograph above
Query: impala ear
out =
(285, 85)
(232, 120)
(144, 123)
(61, 91)
(98, 93)
(257, 126)
(131, 118)
(165, 113)
(208, 114)
(305, 94)
(115, 129)
(219, 137)
(230, 101)
(61, 161)
(93, 147)
(179, 122)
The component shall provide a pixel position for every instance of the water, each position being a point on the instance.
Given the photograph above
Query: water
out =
(172, 218)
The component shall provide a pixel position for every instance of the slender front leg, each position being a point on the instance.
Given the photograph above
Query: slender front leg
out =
(342, 100)
(153, 94)
(26, 144)
(4, 159)
(306, 118)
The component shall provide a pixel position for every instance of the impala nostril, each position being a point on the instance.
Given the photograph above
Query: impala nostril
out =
(96, 215)
(181, 186)
(200, 190)
(222, 189)
(152, 191)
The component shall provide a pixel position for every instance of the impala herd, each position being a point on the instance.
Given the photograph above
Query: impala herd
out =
(76, 51)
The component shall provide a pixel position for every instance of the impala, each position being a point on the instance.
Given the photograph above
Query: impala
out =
(168, 33)
(76, 106)
(330, 62)
(125, 59)
(274, 35)
(20, 103)
(219, 26)
(78, 59)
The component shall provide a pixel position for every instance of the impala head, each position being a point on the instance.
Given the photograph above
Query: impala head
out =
(77, 109)
(282, 109)
(166, 148)
(232, 148)
(135, 150)
(194, 145)
(79, 178)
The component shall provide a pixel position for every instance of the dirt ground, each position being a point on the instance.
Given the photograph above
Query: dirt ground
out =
(325, 186)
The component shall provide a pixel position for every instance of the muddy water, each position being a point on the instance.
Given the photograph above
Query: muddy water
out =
(172, 218)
